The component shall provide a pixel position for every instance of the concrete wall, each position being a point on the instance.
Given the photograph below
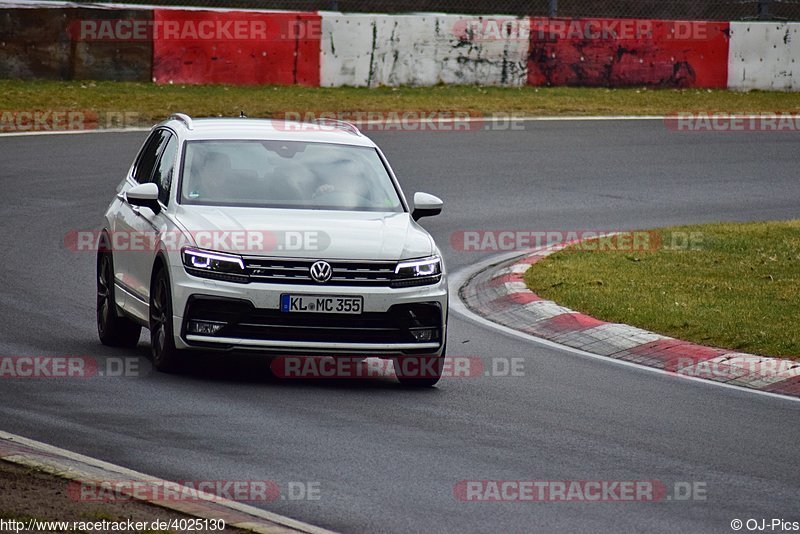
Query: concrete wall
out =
(271, 48)
(373, 50)
(370, 50)
(47, 44)
(764, 55)
(632, 53)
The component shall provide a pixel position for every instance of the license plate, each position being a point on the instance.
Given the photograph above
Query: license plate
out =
(321, 304)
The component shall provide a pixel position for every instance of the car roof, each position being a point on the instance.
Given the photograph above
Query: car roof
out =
(267, 129)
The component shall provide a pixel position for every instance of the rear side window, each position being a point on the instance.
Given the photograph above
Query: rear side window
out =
(149, 155)
(162, 176)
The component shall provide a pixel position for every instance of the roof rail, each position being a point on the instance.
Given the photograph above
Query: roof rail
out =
(339, 125)
(183, 117)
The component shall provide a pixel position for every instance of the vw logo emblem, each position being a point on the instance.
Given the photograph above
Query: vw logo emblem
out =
(321, 271)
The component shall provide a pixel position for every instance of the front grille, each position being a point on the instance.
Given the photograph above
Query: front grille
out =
(242, 320)
(345, 272)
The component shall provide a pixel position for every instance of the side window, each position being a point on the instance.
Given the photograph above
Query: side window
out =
(162, 176)
(149, 155)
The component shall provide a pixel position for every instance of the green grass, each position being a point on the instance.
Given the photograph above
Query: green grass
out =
(737, 289)
(154, 102)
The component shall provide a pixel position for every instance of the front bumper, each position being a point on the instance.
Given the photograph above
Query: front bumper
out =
(253, 321)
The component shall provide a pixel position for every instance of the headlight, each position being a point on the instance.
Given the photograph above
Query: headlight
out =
(216, 265)
(419, 272)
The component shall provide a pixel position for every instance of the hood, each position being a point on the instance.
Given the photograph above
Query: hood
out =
(313, 234)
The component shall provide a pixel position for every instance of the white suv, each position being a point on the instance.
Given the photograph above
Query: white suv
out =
(271, 236)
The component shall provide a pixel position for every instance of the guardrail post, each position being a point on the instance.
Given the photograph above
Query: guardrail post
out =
(553, 8)
(763, 9)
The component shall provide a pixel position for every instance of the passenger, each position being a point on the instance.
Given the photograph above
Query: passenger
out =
(345, 180)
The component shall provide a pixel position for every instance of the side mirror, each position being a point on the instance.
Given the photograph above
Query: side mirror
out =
(145, 196)
(426, 205)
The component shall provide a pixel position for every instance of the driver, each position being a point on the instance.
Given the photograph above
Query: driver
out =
(209, 182)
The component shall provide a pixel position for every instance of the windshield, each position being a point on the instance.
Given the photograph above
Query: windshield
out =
(286, 174)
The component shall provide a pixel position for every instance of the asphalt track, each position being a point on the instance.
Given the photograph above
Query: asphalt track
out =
(387, 459)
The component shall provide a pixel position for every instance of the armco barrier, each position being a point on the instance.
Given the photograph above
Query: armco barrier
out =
(48, 44)
(764, 55)
(249, 48)
(601, 52)
(427, 49)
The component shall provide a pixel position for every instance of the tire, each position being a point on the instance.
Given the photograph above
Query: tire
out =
(165, 356)
(418, 372)
(113, 329)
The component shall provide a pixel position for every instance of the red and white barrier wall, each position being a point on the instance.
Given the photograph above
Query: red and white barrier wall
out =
(427, 49)
(764, 55)
(634, 52)
(236, 47)
(215, 46)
